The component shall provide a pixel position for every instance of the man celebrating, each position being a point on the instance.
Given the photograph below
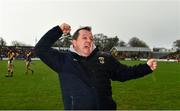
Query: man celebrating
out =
(85, 72)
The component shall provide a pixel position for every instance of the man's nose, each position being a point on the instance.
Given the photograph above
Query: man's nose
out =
(89, 39)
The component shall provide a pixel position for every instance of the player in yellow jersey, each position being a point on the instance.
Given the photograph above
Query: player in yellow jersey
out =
(28, 62)
(11, 56)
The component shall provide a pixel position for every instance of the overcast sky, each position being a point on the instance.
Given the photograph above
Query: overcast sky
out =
(157, 22)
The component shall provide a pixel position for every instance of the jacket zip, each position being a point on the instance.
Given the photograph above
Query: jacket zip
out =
(72, 102)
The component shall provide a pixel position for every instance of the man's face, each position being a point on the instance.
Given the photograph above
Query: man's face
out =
(84, 43)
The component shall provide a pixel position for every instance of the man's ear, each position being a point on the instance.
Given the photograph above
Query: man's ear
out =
(74, 43)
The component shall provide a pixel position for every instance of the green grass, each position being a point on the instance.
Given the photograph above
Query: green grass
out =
(37, 91)
(160, 90)
(42, 90)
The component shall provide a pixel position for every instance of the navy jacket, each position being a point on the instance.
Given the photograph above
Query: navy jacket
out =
(85, 81)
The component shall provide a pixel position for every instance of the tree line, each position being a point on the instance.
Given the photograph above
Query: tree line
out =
(102, 41)
(13, 43)
(106, 43)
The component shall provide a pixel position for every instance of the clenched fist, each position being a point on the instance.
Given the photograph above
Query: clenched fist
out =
(66, 28)
(152, 63)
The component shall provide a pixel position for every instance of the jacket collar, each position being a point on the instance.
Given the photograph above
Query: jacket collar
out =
(75, 53)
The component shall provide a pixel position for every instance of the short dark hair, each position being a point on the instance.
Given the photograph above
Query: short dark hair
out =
(76, 33)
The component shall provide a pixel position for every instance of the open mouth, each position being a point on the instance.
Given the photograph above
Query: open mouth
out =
(86, 46)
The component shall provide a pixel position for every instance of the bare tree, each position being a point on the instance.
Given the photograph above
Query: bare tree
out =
(100, 40)
(17, 43)
(111, 43)
(136, 42)
(122, 44)
(2, 42)
(176, 43)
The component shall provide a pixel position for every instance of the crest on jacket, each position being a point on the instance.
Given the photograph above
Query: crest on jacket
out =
(101, 60)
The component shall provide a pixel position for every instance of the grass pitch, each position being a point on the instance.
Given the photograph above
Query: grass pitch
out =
(41, 90)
